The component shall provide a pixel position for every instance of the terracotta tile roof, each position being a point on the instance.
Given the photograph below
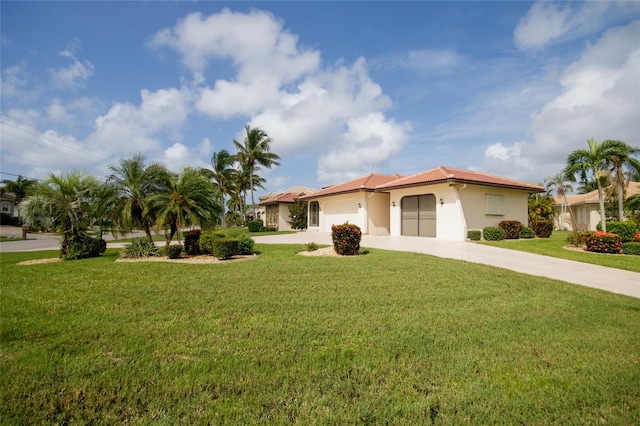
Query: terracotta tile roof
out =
(285, 197)
(633, 188)
(364, 183)
(449, 174)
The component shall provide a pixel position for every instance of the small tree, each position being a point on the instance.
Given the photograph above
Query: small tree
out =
(298, 214)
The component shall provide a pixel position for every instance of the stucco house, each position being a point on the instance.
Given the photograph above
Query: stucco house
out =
(8, 204)
(443, 202)
(274, 207)
(582, 211)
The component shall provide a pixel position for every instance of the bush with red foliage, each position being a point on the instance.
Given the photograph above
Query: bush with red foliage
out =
(604, 242)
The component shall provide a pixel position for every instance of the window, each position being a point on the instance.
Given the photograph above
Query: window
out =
(314, 213)
(495, 204)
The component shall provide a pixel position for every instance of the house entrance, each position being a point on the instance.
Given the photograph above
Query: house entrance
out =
(419, 215)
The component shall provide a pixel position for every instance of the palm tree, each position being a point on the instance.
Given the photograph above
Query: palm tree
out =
(190, 199)
(133, 183)
(255, 152)
(223, 175)
(621, 156)
(557, 183)
(62, 200)
(594, 161)
(20, 187)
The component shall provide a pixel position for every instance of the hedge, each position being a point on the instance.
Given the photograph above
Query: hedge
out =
(474, 234)
(631, 248)
(604, 242)
(493, 234)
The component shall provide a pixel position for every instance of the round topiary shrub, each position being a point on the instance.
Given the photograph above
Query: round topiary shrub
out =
(225, 248)
(173, 252)
(542, 228)
(474, 234)
(511, 228)
(527, 233)
(491, 233)
(346, 238)
(254, 225)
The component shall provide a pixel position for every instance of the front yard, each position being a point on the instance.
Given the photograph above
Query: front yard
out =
(386, 337)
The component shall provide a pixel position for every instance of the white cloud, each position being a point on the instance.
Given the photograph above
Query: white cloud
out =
(57, 113)
(75, 74)
(548, 22)
(14, 84)
(424, 60)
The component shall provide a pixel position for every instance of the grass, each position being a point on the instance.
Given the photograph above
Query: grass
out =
(387, 337)
(553, 246)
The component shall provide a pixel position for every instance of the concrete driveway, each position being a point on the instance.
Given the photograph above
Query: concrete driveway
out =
(609, 279)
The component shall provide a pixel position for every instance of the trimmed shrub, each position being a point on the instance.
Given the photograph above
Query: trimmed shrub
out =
(631, 248)
(254, 225)
(140, 247)
(83, 247)
(474, 234)
(578, 238)
(493, 234)
(192, 242)
(636, 238)
(6, 219)
(245, 244)
(225, 248)
(346, 238)
(267, 229)
(173, 252)
(511, 228)
(604, 242)
(526, 233)
(542, 228)
(207, 239)
(625, 230)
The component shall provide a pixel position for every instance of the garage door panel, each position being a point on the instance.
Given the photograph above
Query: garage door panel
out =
(419, 215)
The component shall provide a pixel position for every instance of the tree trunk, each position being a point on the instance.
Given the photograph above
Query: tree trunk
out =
(574, 225)
(603, 217)
(620, 199)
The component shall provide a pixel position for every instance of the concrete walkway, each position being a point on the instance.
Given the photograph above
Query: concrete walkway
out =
(609, 279)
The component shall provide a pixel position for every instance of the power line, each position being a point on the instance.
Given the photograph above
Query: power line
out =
(20, 176)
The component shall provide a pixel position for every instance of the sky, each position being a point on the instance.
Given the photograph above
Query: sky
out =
(343, 89)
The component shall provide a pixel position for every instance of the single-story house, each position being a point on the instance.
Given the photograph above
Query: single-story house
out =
(8, 204)
(276, 207)
(443, 202)
(581, 212)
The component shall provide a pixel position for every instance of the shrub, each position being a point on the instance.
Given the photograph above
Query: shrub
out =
(267, 229)
(254, 225)
(225, 248)
(207, 239)
(83, 247)
(632, 248)
(192, 242)
(542, 228)
(6, 219)
(526, 232)
(493, 234)
(578, 238)
(474, 234)
(346, 238)
(636, 238)
(140, 247)
(312, 246)
(173, 252)
(604, 242)
(245, 244)
(625, 230)
(511, 228)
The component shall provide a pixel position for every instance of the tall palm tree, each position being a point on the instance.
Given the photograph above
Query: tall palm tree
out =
(223, 175)
(133, 183)
(191, 199)
(62, 200)
(621, 156)
(594, 161)
(20, 188)
(255, 151)
(557, 184)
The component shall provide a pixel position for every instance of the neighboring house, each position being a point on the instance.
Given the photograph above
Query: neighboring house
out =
(582, 211)
(274, 207)
(8, 204)
(443, 203)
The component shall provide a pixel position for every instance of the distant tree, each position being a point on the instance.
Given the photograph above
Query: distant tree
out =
(20, 187)
(253, 152)
(224, 177)
(298, 214)
(133, 183)
(557, 184)
(621, 156)
(541, 207)
(594, 161)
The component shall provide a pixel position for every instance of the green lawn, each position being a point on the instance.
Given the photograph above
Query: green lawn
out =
(554, 246)
(387, 337)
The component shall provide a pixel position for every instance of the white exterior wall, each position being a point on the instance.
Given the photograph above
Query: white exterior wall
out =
(473, 199)
(338, 209)
(450, 220)
(378, 213)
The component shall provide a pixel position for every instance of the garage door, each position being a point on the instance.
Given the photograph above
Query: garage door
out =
(419, 215)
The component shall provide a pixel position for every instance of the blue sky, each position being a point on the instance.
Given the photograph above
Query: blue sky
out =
(343, 88)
